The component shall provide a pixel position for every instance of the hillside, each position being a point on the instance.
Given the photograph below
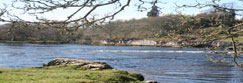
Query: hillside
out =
(205, 27)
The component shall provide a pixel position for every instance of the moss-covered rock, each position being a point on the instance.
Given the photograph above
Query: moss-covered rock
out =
(79, 64)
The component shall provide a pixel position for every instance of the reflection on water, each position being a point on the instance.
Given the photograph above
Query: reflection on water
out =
(167, 65)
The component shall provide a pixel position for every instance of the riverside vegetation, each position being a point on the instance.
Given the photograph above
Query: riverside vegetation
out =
(69, 71)
(201, 27)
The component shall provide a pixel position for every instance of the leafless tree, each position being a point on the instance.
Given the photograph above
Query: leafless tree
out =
(86, 7)
(233, 29)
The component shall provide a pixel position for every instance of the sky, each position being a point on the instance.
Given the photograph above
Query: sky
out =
(129, 12)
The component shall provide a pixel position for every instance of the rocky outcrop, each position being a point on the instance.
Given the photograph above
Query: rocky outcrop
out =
(130, 42)
(142, 42)
(64, 62)
(105, 42)
(171, 44)
(221, 44)
(175, 43)
(79, 63)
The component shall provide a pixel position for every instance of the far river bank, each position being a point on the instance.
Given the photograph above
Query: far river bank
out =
(226, 45)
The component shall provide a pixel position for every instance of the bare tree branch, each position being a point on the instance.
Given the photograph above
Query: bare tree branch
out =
(37, 7)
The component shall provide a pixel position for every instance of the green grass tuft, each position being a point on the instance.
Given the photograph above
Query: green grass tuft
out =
(60, 74)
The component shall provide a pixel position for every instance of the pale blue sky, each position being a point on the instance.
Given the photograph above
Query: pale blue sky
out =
(129, 13)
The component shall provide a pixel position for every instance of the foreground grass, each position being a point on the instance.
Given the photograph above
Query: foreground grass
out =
(59, 74)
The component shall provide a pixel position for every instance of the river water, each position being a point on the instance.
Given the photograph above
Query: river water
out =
(166, 65)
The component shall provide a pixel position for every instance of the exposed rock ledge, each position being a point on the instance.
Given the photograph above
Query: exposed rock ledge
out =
(85, 64)
(80, 63)
(176, 43)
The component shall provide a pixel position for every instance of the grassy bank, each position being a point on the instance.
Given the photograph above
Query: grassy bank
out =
(61, 74)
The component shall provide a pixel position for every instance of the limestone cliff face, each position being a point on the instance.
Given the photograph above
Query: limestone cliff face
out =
(143, 42)
(178, 43)
(221, 44)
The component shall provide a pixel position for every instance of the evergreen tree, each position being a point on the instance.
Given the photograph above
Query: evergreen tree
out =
(154, 12)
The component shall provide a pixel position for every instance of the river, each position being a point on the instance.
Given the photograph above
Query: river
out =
(166, 65)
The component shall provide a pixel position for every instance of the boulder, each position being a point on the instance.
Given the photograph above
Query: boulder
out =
(79, 63)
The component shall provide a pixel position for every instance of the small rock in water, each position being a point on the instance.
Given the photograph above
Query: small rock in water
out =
(151, 81)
